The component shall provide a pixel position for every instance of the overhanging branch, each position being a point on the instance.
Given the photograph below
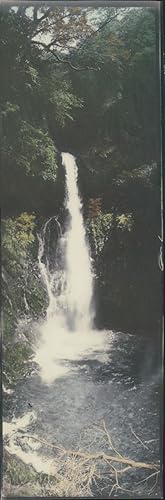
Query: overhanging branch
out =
(62, 60)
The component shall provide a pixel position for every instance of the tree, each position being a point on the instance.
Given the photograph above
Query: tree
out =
(33, 94)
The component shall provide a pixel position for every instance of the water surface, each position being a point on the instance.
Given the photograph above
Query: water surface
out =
(120, 385)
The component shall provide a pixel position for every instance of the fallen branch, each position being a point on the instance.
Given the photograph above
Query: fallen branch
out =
(94, 456)
(138, 439)
(77, 471)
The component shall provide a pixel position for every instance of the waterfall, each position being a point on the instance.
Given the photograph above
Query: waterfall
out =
(78, 269)
(67, 330)
(76, 290)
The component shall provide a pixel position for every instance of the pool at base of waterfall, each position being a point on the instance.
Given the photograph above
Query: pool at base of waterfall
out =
(112, 392)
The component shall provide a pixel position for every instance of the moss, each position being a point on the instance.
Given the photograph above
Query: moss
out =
(15, 360)
(8, 324)
(17, 472)
(22, 480)
(36, 296)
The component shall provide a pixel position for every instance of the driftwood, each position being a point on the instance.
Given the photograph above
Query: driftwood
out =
(93, 456)
(79, 469)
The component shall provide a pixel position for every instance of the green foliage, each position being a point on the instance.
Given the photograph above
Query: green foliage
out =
(64, 26)
(124, 222)
(17, 237)
(138, 29)
(119, 105)
(34, 152)
(18, 472)
(34, 94)
(64, 102)
(9, 107)
(36, 295)
(20, 270)
(14, 360)
(57, 97)
(22, 480)
(8, 324)
(99, 231)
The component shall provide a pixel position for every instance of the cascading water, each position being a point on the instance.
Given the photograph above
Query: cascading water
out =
(78, 269)
(67, 331)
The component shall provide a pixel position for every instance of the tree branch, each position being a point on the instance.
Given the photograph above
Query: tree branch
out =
(102, 26)
(77, 469)
(45, 15)
(35, 18)
(63, 61)
(21, 10)
(94, 456)
(97, 31)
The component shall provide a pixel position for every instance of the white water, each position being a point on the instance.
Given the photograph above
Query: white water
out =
(67, 333)
(12, 432)
(78, 269)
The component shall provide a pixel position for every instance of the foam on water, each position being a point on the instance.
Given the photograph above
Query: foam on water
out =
(59, 347)
(12, 433)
